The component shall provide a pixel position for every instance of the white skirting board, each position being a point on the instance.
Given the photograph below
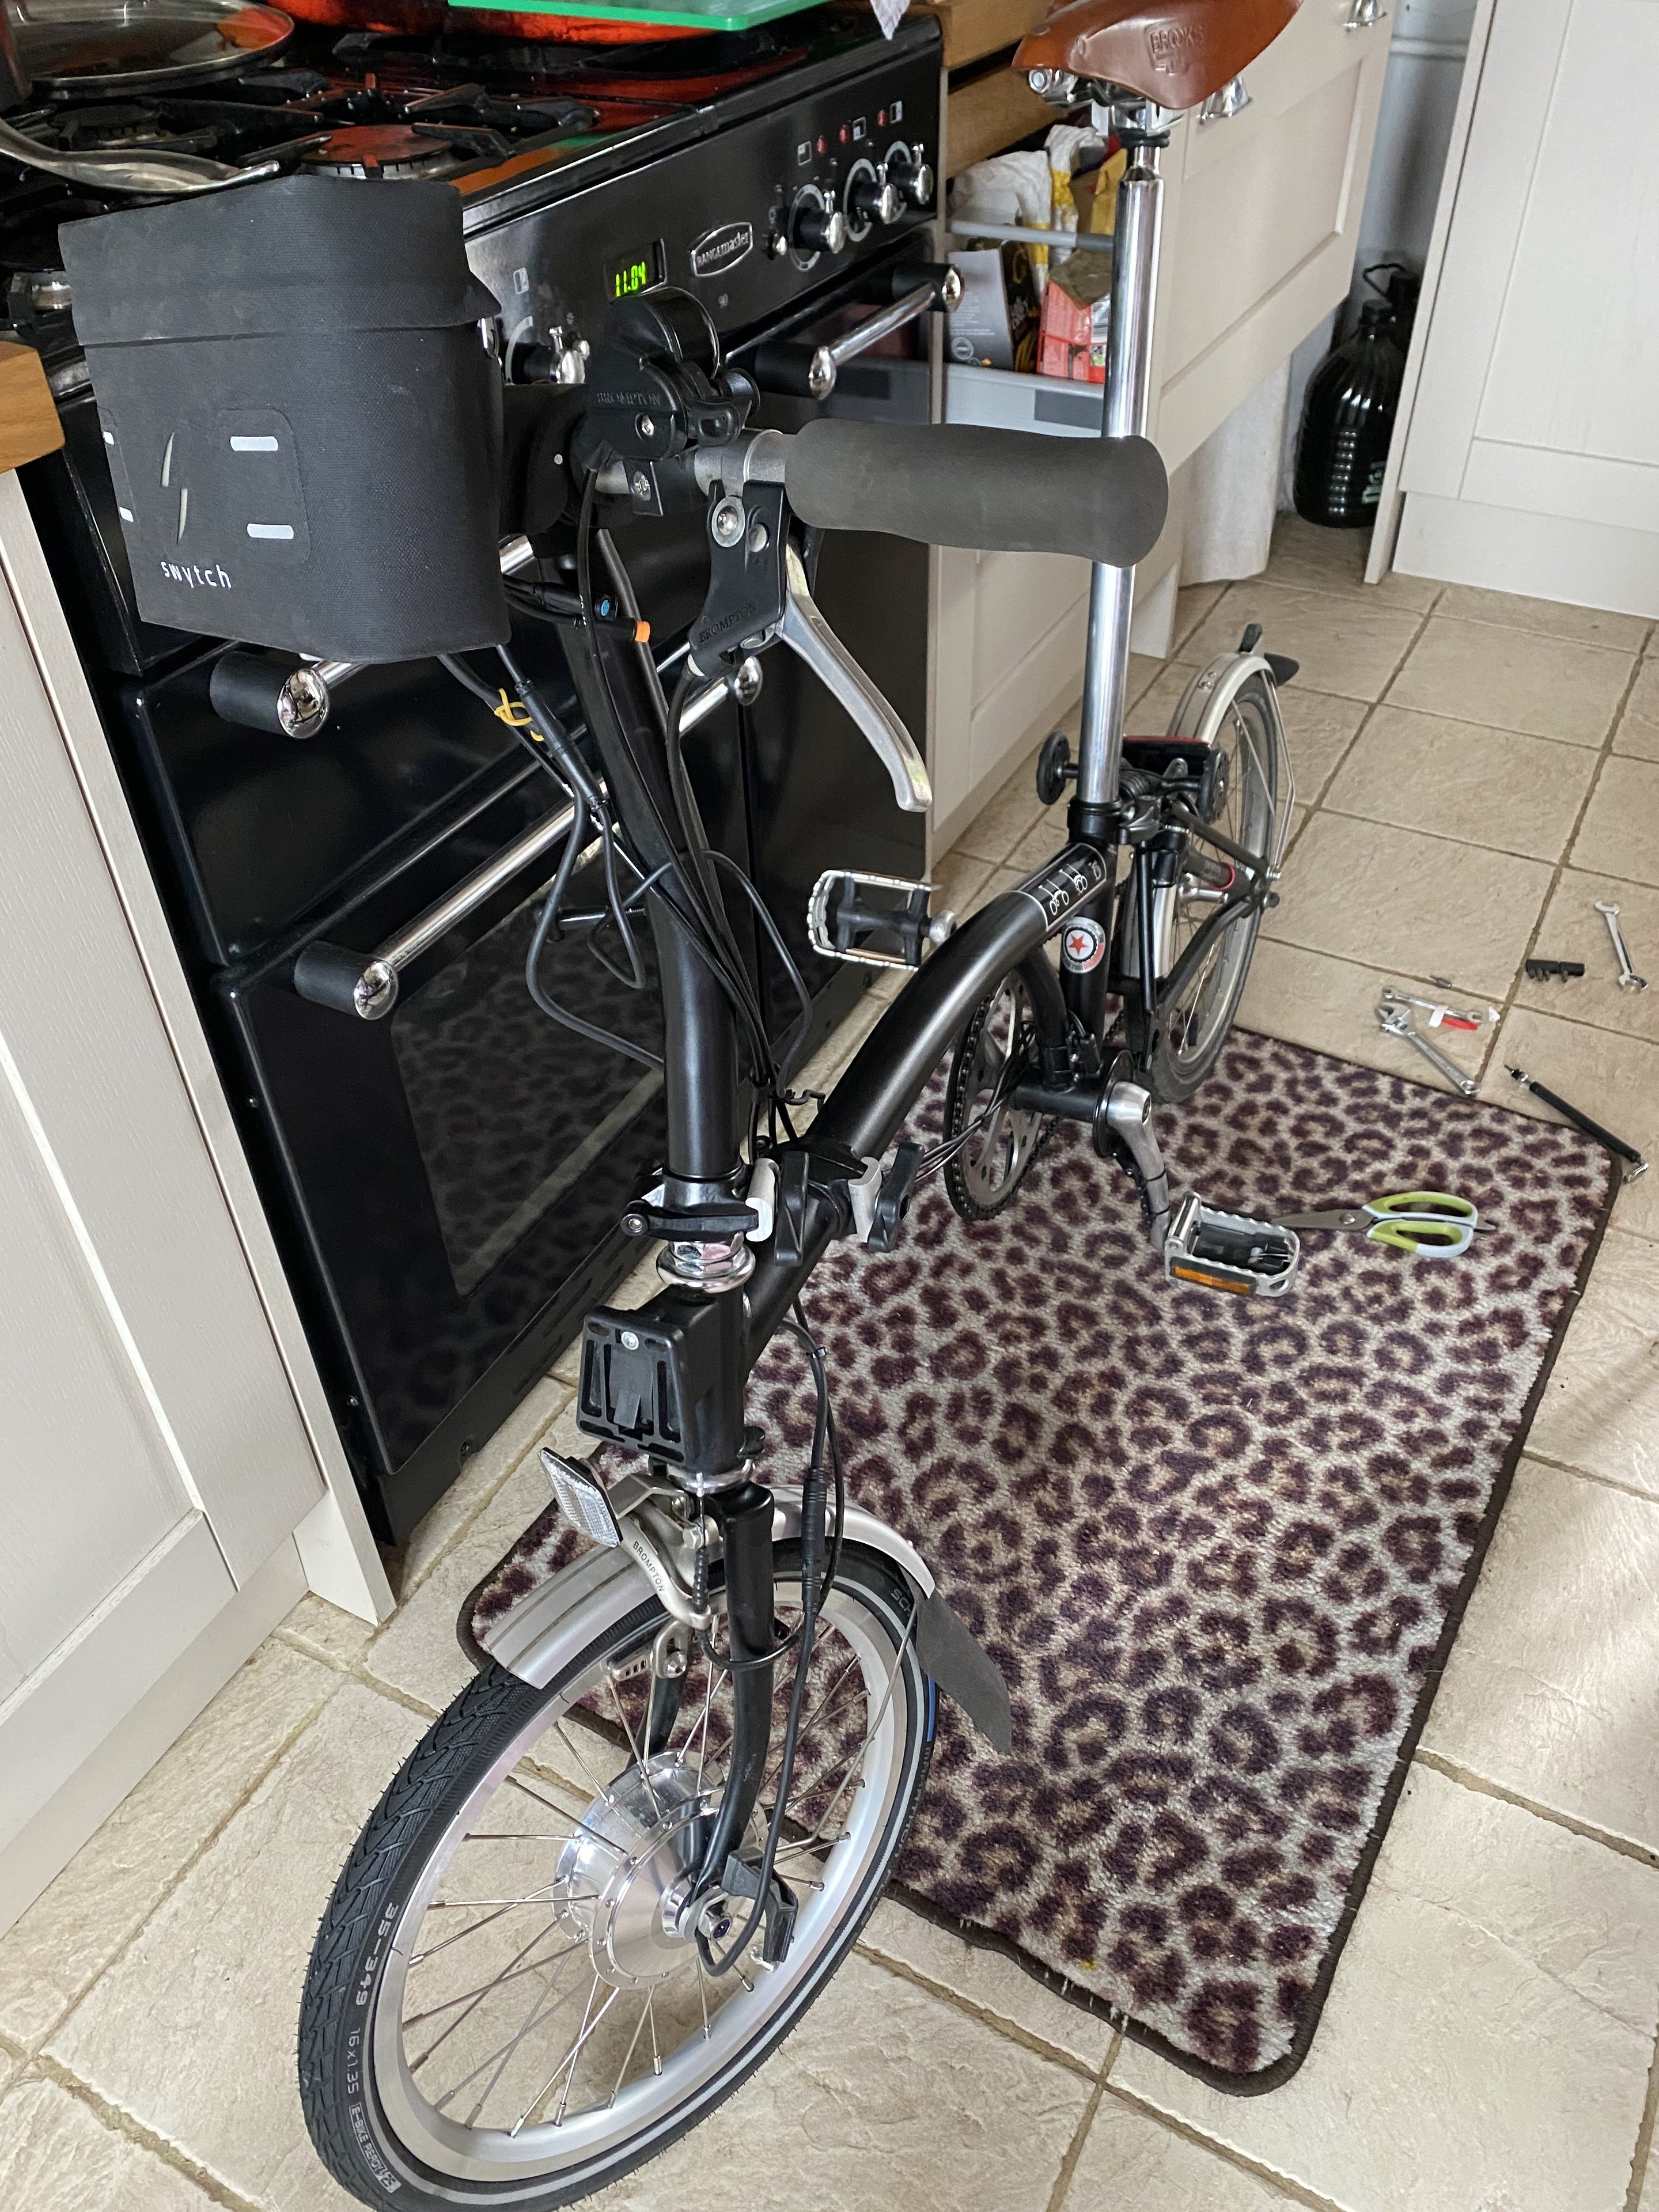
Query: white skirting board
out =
(1544, 557)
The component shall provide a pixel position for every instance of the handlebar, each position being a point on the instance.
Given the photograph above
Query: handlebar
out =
(990, 491)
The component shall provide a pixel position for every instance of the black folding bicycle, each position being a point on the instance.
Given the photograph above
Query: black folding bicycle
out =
(616, 1872)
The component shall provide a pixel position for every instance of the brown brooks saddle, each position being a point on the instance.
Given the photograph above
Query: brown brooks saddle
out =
(1178, 52)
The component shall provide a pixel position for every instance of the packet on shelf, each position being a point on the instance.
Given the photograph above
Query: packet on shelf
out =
(1072, 338)
(1077, 305)
(994, 325)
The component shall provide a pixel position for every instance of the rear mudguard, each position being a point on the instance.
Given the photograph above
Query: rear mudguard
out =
(557, 1620)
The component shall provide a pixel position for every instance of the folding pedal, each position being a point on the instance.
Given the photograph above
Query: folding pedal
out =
(1229, 1251)
(879, 921)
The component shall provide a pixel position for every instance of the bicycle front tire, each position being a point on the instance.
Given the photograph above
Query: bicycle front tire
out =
(480, 1803)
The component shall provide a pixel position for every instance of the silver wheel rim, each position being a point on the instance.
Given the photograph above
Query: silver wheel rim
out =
(595, 2105)
(1206, 1004)
(995, 1157)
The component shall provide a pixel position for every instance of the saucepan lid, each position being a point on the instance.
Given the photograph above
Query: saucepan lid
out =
(14, 78)
(93, 46)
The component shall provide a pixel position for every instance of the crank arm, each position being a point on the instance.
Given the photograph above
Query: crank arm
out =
(806, 633)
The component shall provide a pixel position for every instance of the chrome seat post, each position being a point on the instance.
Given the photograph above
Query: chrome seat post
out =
(1127, 398)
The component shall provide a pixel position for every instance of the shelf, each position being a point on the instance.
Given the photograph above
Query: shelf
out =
(1004, 399)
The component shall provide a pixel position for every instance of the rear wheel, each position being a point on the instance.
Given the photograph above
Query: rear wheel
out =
(507, 2005)
(1248, 799)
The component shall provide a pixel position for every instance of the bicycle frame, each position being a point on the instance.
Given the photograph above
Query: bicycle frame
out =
(705, 1109)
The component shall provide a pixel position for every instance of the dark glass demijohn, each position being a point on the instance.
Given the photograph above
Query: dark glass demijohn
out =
(1348, 418)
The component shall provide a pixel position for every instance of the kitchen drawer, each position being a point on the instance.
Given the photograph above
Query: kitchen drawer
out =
(1262, 218)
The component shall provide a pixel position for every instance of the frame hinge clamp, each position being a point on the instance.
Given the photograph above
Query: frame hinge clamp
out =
(649, 1217)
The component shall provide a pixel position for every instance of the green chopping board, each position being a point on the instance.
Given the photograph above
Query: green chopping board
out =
(689, 15)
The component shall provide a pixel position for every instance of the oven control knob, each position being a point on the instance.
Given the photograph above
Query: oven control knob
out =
(815, 227)
(913, 176)
(870, 199)
(561, 360)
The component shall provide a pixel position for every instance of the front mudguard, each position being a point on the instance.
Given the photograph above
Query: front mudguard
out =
(560, 1616)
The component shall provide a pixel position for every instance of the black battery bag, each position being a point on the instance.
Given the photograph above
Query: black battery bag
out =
(302, 422)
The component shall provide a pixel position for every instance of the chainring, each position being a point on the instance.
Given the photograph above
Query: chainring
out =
(993, 1159)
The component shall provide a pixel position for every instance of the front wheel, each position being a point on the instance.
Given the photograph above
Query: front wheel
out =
(506, 2004)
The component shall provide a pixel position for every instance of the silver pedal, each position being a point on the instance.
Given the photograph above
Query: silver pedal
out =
(582, 1498)
(855, 917)
(1229, 1251)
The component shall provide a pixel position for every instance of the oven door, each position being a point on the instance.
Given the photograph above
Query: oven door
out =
(450, 1176)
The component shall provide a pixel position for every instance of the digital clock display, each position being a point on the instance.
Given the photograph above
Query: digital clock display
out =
(635, 272)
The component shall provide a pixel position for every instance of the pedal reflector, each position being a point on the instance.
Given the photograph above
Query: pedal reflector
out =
(1229, 1251)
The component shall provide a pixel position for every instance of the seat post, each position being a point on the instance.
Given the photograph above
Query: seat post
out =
(1127, 396)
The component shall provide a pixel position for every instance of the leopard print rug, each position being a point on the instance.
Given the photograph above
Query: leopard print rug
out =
(1219, 1547)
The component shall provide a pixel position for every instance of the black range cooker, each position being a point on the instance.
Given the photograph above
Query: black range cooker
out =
(444, 1167)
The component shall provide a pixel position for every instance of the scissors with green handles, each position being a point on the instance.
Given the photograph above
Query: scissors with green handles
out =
(1430, 1224)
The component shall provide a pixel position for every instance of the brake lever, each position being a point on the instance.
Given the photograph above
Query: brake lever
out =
(807, 634)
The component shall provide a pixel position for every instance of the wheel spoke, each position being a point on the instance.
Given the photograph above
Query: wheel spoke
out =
(633, 2043)
(639, 1762)
(503, 2051)
(478, 1996)
(511, 1972)
(590, 2021)
(575, 1820)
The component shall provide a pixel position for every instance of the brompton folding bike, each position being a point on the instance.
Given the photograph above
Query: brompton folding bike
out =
(615, 1874)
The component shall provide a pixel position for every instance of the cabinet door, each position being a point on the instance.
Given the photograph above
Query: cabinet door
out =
(109, 1568)
(1537, 390)
(1260, 231)
(1009, 630)
(154, 1462)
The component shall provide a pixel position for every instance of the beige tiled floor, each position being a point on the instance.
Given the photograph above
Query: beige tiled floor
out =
(1474, 772)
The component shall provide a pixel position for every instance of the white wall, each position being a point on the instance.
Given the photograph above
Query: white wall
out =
(1430, 40)
(1426, 51)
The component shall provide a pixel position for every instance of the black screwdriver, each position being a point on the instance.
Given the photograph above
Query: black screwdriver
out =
(1637, 1165)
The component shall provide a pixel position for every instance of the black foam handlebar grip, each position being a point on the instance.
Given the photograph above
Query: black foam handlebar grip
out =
(992, 492)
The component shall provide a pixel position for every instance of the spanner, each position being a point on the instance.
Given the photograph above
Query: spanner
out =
(1395, 1022)
(1628, 978)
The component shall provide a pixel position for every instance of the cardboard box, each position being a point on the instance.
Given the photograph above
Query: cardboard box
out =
(1072, 343)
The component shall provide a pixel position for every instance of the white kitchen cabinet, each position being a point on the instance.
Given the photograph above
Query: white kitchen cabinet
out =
(171, 1484)
(1260, 216)
(1527, 452)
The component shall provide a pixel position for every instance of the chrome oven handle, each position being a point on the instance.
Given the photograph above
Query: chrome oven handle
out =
(825, 362)
(329, 975)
